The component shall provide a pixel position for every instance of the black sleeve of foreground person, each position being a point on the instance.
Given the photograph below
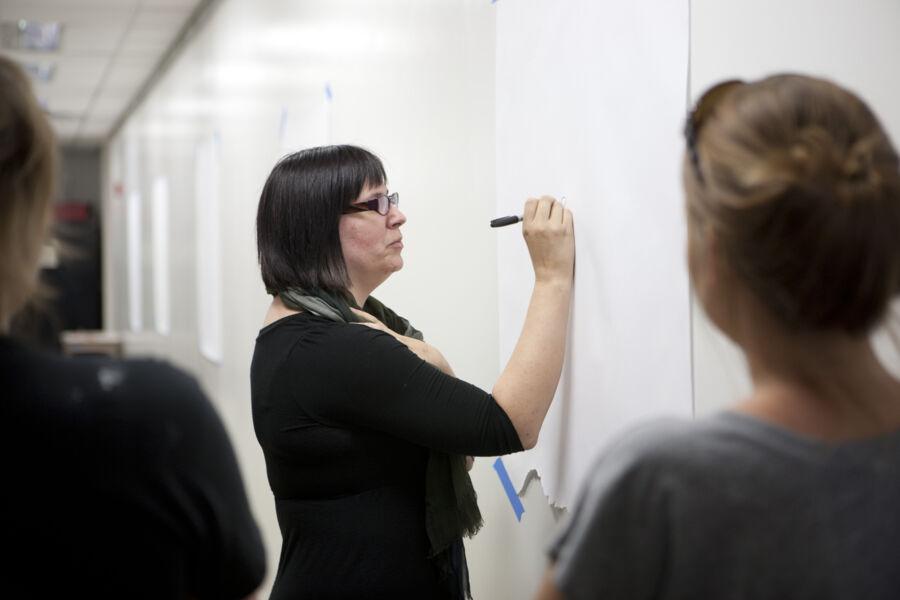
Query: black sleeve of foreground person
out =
(227, 556)
(378, 383)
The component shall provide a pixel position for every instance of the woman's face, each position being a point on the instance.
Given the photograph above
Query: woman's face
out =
(371, 242)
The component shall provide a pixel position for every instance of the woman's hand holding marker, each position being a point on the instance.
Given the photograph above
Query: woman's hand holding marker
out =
(550, 236)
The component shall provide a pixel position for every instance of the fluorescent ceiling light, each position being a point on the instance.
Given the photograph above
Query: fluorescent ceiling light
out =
(37, 35)
(40, 36)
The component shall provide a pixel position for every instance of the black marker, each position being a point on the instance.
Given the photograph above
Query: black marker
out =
(512, 220)
(504, 221)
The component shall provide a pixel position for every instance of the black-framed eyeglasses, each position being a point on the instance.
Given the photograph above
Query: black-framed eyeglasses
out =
(697, 118)
(382, 204)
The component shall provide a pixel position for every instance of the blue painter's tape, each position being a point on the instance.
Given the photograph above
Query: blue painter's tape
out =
(510, 490)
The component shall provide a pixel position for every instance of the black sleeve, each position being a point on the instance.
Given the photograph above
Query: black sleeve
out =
(203, 486)
(376, 382)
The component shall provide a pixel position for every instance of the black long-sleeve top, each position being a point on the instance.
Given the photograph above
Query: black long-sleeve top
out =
(346, 415)
(120, 482)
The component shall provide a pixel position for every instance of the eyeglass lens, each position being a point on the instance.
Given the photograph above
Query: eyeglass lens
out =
(385, 202)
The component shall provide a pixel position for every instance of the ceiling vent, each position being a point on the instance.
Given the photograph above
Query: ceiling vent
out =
(42, 72)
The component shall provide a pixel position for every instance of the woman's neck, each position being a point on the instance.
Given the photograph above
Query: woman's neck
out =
(824, 385)
(277, 311)
(361, 293)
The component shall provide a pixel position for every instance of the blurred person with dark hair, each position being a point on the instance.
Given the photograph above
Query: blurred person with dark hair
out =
(120, 478)
(364, 427)
(793, 209)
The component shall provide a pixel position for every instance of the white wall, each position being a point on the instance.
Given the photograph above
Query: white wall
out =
(853, 43)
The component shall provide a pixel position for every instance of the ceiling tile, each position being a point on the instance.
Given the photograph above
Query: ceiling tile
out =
(108, 50)
(91, 141)
(60, 5)
(69, 14)
(168, 18)
(91, 128)
(95, 38)
(64, 128)
(69, 104)
(109, 103)
(123, 75)
(147, 42)
(80, 71)
(190, 4)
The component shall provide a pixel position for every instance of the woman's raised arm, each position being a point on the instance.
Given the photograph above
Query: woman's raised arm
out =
(526, 386)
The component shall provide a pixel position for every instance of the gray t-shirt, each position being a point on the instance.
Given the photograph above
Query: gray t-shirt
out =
(730, 507)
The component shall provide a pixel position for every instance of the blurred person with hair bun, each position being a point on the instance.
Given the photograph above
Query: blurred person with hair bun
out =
(119, 478)
(793, 210)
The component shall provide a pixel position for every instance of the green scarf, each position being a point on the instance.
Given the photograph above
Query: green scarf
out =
(451, 506)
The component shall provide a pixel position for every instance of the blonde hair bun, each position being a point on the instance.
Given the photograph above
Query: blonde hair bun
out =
(802, 186)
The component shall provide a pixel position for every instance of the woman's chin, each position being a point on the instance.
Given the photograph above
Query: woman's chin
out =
(392, 267)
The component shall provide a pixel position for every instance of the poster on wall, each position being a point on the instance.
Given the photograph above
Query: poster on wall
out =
(160, 232)
(135, 262)
(115, 232)
(134, 229)
(209, 248)
(590, 104)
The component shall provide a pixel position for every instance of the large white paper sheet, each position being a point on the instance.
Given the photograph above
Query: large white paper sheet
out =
(591, 97)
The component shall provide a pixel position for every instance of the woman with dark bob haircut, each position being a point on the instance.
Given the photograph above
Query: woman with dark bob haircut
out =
(793, 207)
(364, 428)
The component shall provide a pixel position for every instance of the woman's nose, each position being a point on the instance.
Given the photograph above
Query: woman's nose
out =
(395, 218)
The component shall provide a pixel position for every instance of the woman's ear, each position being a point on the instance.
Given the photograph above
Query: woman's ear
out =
(701, 247)
(709, 272)
(720, 292)
(715, 264)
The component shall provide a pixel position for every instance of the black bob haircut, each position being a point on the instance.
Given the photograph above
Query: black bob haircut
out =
(297, 235)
